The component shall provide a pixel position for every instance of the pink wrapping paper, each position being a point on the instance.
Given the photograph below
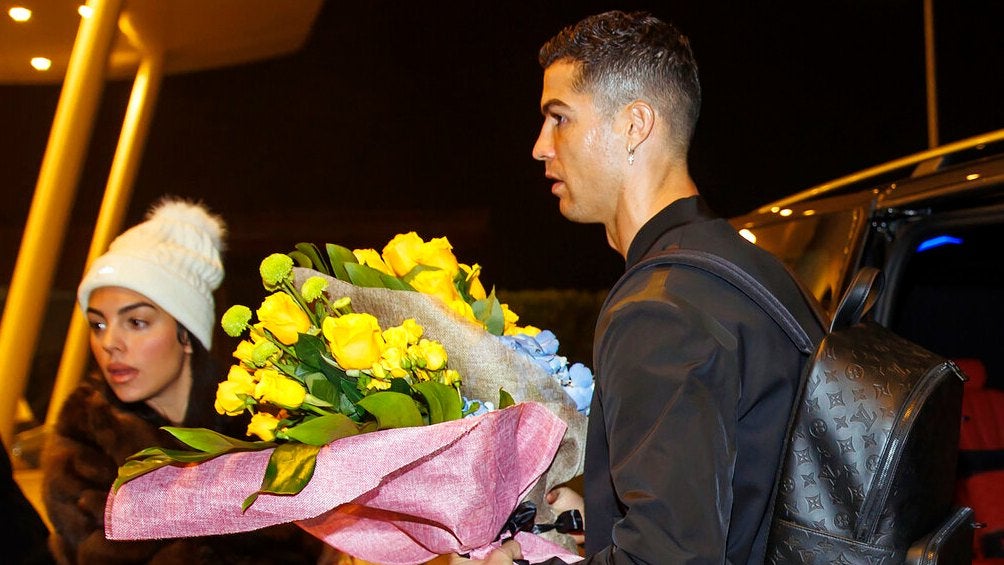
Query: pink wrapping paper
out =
(393, 496)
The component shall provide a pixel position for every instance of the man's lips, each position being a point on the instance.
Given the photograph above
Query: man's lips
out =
(557, 184)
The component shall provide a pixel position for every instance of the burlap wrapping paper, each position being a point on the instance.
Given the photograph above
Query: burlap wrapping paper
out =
(399, 496)
(486, 365)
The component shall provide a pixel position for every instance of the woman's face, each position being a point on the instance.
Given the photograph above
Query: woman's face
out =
(136, 346)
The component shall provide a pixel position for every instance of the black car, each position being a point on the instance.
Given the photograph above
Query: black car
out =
(936, 234)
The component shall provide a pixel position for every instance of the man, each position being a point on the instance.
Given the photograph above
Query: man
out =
(694, 383)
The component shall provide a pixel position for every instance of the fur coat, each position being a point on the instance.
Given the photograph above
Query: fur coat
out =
(94, 436)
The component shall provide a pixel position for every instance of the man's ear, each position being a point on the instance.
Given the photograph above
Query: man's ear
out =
(640, 122)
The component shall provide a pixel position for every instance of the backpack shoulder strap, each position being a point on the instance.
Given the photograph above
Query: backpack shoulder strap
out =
(737, 277)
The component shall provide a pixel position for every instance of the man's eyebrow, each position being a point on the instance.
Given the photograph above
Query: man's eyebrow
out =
(546, 107)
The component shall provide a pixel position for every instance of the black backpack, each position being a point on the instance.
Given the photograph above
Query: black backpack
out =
(868, 472)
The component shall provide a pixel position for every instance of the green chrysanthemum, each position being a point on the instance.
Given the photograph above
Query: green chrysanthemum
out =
(235, 320)
(263, 351)
(275, 269)
(313, 288)
(341, 303)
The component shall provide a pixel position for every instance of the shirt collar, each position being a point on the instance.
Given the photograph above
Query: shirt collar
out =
(678, 213)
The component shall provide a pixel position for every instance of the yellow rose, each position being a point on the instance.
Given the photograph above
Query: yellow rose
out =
(278, 389)
(371, 258)
(438, 252)
(401, 253)
(263, 425)
(429, 355)
(437, 283)
(231, 394)
(281, 315)
(355, 340)
(475, 288)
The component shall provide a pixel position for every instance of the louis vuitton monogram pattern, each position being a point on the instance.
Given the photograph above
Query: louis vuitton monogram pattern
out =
(873, 441)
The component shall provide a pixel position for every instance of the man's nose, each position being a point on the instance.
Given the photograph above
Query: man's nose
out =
(543, 149)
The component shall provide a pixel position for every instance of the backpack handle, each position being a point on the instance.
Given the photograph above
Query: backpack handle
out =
(859, 298)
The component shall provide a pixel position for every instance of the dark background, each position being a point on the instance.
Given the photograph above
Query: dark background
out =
(401, 116)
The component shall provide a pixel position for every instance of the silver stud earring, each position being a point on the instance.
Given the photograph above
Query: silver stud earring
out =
(630, 156)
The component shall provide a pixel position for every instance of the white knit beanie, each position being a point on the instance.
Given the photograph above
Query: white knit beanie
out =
(173, 258)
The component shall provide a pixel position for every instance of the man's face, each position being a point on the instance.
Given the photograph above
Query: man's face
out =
(581, 152)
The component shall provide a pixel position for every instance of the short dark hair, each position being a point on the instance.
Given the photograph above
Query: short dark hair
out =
(626, 56)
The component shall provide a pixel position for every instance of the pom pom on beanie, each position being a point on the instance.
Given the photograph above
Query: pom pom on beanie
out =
(173, 258)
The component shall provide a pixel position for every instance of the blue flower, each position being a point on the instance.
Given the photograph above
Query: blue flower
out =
(542, 349)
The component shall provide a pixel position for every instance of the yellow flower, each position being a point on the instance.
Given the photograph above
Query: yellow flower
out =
(510, 318)
(245, 353)
(393, 363)
(528, 330)
(437, 283)
(371, 258)
(402, 336)
(429, 355)
(401, 253)
(449, 377)
(280, 315)
(438, 252)
(355, 340)
(377, 384)
(263, 425)
(232, 394)
(464, 309)
(475, 288)
(278, 389)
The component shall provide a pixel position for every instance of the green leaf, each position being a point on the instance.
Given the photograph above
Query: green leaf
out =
(362, 275)
(209, 441)
(444, 401)
(400, 385)
(505, 399)
(489, 312)
(289, 470)
(339, 256)
(300, 259)
(154, 458)
(323, 430)
(392, 409)
(320, 261)
(312, 352)
(322, 389)
(394, 283)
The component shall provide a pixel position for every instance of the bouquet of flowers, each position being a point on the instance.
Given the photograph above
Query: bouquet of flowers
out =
(341, 351)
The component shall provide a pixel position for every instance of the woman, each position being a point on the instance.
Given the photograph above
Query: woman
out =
(149, 303)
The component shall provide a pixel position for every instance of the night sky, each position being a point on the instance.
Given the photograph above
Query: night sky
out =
(401, 116)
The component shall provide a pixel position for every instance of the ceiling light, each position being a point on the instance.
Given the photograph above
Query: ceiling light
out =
(19, 14)
(973, 176)
(85, 11)
(41, 63)
(786, 212)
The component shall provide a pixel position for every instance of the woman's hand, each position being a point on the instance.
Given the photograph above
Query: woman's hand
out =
(562, 499)
(505, 555)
